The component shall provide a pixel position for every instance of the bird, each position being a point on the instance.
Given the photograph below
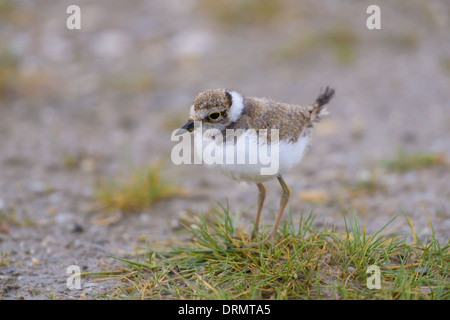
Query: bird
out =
(253, 127)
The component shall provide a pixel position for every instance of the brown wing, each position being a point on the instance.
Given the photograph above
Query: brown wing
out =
(290, 120)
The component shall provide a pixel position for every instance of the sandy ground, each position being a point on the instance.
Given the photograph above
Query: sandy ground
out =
(77, 106)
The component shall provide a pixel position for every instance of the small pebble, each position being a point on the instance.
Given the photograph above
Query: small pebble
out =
(77, 228)
(88, 165)
(4, 228)
(425, 289)
(312, 196)
(37, 187)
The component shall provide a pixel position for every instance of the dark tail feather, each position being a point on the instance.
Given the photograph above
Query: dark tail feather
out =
(324, 97)
(321, 101)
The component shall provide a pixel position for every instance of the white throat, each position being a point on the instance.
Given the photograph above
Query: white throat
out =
(237, 105)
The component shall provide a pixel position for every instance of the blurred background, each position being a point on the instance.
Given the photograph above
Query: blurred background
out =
(81, 106)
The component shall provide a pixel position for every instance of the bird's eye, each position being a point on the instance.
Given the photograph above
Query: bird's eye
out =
(214, 115)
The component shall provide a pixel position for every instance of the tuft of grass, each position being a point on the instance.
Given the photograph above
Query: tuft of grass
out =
(136, 192)
(341, 41)
(404, 161)
(304, 263)
(70, 162)
(135, 83)
(248, 12)
(4, 261)
(12, 217)
(444, 65)
(6, 8)
(9, 72)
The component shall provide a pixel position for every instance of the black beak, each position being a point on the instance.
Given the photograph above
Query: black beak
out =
(189, 126)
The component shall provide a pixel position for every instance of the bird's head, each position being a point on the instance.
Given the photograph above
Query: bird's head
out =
(215, 109)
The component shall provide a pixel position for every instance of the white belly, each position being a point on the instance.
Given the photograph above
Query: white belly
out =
(246, 160)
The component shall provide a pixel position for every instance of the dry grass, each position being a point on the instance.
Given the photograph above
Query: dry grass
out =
(341, 41)
(242, 12)
(405, 161)
(9, 72)
(137, 191)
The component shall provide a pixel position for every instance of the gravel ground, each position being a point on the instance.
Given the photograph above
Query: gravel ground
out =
(77, 106)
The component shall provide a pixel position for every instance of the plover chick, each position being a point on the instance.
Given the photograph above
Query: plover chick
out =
(254, 139)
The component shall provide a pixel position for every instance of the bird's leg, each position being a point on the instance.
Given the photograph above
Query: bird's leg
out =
(283, 202)
(261, 198)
